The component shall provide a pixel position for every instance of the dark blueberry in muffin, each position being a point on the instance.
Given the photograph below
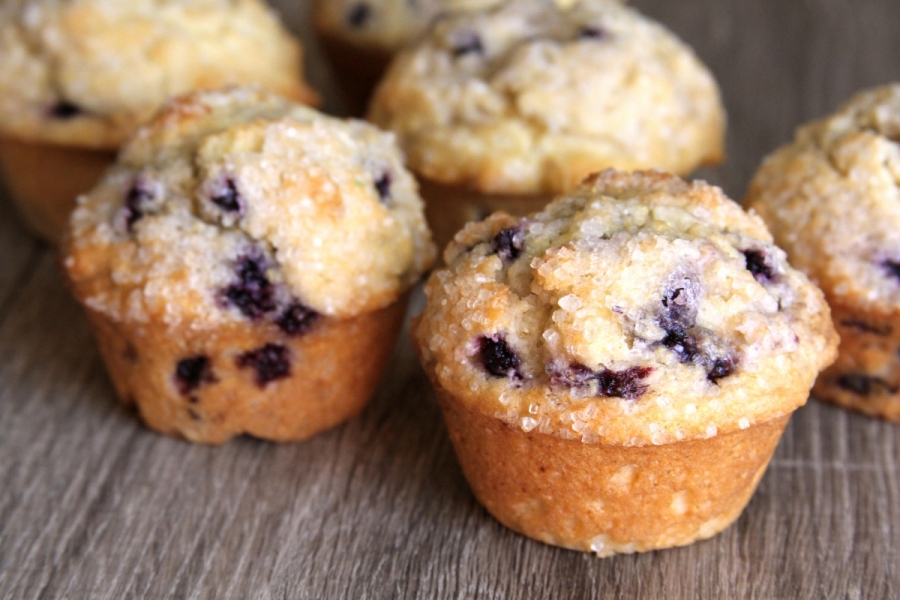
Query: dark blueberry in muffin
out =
(228, 198)
(297, 319)
(64, 110)
(498, 358)
(359, 15)
(683, 344)
(892, 267)
(271, 362)
(383, 186)
(720, 367)
(508, 243)
(252, 293)
(467, 42)
(136, 201)
(760, 265)
(626, 384)
(592, 32)
(191, 373)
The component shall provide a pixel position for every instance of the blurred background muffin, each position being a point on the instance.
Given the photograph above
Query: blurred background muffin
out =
(505, 108)
(832, 200)
(77, 76)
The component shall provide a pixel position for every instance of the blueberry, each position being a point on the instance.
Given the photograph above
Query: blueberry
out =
(229, 199)
(892, 267)
(759, 264)
(252, 293)
(626, 384)
(191, 373)
(498, 358)
(592, 32)
(720, 367)
(467, 42)
(136, 201)
(297, 319)
(681, 343)
(508, 243)
(383, 186)
(64, 110)
(271, 362)
(359, 15)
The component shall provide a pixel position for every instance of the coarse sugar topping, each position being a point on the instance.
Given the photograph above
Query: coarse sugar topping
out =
(241, 205)
(640, 309)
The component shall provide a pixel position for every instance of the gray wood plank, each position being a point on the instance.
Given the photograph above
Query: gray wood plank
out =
(93, 505)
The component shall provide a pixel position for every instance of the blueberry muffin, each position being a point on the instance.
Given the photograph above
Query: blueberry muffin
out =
(505, 108)
(615, 371)
(830, 198)
(77, 76)
(245, 265)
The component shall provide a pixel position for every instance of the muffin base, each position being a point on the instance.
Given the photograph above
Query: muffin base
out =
(44, 180)
(866, 375)
(356, 70)
(608, 499)
(448, 208)
(334, 370)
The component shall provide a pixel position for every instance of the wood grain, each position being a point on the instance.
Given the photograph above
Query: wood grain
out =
(93, 505)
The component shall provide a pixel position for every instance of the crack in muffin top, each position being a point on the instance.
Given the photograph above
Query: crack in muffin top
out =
(632, 311)
(242, 205)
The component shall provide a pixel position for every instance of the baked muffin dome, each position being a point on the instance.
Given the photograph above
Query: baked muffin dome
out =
(831, 200)
(86, 72)
(615, 371)
(529, 97)
(638, 310)
(324, 206)
(245, 265)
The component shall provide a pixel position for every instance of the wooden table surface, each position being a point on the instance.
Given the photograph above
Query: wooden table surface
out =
(93, 505)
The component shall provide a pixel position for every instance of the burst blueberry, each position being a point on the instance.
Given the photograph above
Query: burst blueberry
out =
(271, 362)
(228, 199)
(759, 264)
(508, 243)
(191, 373)
(253, 294)
(498, 357)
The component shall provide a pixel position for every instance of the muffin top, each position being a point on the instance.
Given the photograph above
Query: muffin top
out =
(241, 205)
(832, 200)
(530, 98)
(640, 309)
(386, 25)
(87, 72)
